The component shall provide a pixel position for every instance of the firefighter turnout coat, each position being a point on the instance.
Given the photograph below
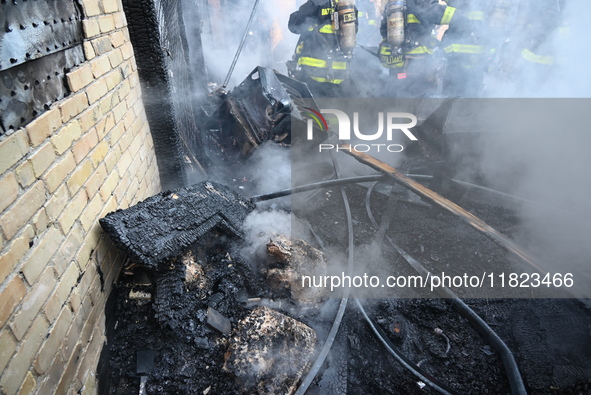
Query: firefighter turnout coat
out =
(317, 53)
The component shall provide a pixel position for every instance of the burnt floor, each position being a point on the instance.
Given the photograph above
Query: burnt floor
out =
(549, 338)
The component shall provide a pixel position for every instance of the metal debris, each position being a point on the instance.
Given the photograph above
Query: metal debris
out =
(218, 321)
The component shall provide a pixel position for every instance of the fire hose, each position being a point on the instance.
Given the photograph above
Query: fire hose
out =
(511, 368)
(515, 379)
(342, 306)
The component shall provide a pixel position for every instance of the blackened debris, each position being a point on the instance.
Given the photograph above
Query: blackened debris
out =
(269, 352)
(190, 353)
(260, 109)
(165, 225)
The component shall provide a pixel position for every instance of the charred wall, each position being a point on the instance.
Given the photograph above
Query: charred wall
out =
(158, 35)
(39, 43)
(66, 159)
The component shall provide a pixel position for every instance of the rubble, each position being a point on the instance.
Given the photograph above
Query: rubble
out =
(294, 258)
(262, 108)
(269, 352)
(194, 357)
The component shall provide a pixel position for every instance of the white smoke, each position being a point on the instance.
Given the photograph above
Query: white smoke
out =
(268, 42)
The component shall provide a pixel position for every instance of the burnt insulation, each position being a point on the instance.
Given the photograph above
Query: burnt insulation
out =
(163, 226)
(158, 37)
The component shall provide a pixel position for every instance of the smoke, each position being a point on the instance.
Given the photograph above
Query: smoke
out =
(554, 29)
(536, 148)
(543, 162)
(269, 168)
(268, 42)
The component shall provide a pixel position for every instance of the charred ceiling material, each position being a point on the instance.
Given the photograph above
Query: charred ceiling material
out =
(41, 41)
(262, 108)
(157, 34)
(163, 226)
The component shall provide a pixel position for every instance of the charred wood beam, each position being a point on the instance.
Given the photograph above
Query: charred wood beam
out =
(157, 33)
(443, 203)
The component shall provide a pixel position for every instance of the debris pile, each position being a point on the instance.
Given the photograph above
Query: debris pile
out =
(292, 259)
(187, 315)
(269, 352)
(262, 108)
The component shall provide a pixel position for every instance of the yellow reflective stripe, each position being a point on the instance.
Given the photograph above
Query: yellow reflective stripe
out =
(412, 18)
(360, 14)
(447, 15)
(331, 81)
(532, 57)
(339, 65)
(312, 62)
(372, 22)
(320, 63)
(475, 15)
(464, 48)
(326, 29)
(299, 48)
(419, 50)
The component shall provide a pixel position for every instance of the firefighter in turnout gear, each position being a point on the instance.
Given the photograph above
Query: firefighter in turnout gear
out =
(327, 32)
(528, 60)
(409, 48)
(467, 50)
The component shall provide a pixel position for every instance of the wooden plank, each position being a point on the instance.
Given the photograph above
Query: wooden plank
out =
(442, 202)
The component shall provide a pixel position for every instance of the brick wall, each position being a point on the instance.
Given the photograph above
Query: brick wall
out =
(89, 154)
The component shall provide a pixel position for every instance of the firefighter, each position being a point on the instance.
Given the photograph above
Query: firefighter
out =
(322, 55)
(528, 60)
(410, 49)
(467, 49)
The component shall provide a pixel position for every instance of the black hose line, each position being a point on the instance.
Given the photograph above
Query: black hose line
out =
(318, 185)
(381, 177)
(514, 376)
(239, 50)
(404, 360)
(344, 300)
(511, 368)
(377, 330)
(500, 194)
